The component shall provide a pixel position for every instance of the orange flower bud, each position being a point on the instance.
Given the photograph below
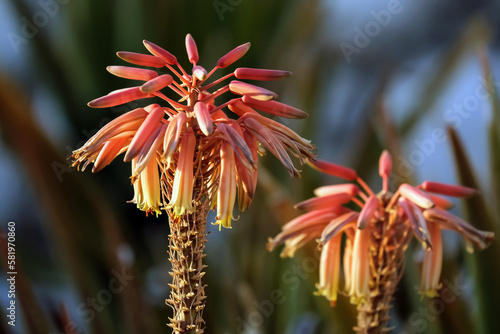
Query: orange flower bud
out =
(160, 52)
(244, 73)
(157, 83)
(233, 55)
(274, 108)
(132, 73)
(141, 59)
(448, 189)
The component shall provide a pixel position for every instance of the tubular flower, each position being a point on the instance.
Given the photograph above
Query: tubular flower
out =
(376, 236)
(188, 155)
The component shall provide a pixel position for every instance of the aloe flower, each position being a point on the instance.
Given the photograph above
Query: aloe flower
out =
(191, 155)
(376, 237)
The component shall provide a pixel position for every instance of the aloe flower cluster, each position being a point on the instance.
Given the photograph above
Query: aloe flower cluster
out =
(192, 156)
(376, 237)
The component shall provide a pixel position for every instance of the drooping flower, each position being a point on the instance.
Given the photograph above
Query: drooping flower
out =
(376, 236)
(192, 154)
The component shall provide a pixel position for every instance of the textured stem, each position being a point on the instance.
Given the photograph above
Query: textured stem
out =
(186, 253)
(388, 245)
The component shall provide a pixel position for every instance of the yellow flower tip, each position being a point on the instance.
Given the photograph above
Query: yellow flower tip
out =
(329, 294)
(429, 293)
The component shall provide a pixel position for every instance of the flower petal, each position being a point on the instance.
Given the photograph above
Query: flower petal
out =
(333, 169)
(118, 97)
(317, 203)
(360, 268)
(329, 269)
(160, 52)
(132, 73)
(385, 164)
(192, 49)
(417, 221)
(109, 151)
(157, 83)
(199, 73)
(337, 225)
(260, 74)
(226, 193)
(348, 188)
(368, 211)
(203, 117)
(240, 109)
(150, 149)
(448, 189)
(150, 124)
(173, 134)
(433, 259)
(233, 55)
(255, 92)
(481, 239)
(416, 196)
(274, 108)
(182, 189)
(141, 59)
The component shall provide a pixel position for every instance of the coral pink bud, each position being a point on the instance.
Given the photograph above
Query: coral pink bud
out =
(132, 73)
(199, 72)
(257, 93)
(239, 108)
(246, 73)
(315, 217)
(448, 189)
(324, 202)
(233, 55)
(157, 83)
(350, 189)
(192, 49)
(385, 164)
(203, 118)
(441, 201)
(141, 59)
(333, 169)
(274, 108)
(368, 211)
(416, 196)
(149, 125)
(160, 52)
(118, 97)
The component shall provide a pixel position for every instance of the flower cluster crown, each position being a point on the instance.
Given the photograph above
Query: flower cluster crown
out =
(191, 151)
(377, 234)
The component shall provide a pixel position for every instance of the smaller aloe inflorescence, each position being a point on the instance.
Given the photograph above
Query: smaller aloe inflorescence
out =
(377, 236)
(190, 157)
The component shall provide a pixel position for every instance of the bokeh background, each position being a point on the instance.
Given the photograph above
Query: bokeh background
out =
(420, 78)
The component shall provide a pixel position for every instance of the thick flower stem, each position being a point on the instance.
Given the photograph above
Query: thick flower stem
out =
(387, 249)
(186, 253)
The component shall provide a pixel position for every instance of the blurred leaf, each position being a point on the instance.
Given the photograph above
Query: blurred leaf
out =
(486, 273)
(475, 32)
(36, 319)
(494, 130)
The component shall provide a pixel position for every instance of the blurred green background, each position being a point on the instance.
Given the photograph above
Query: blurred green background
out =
(371, 74)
